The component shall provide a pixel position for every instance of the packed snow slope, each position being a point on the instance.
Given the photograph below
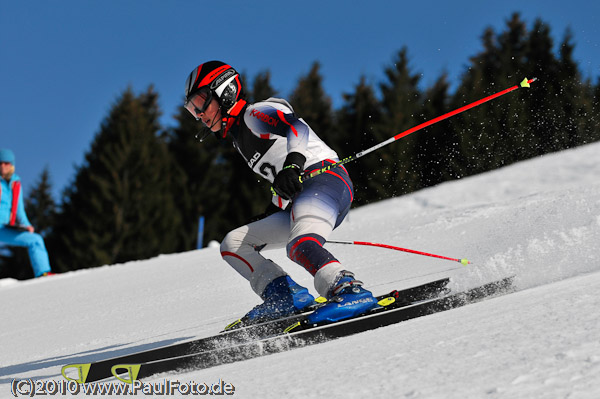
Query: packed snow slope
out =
(538, 220)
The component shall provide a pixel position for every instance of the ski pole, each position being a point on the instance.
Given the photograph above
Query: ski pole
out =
(524, 83)
(373, 244)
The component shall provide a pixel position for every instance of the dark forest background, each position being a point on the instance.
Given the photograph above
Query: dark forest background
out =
(143, 187)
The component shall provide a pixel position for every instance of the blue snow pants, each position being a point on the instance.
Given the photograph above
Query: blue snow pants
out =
(34, 244)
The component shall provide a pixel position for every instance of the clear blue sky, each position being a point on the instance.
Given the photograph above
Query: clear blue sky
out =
(63, 63)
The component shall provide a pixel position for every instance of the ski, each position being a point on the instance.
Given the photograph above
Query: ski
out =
(96, 371)
(305, 334)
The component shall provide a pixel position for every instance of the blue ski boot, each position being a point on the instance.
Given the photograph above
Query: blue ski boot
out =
(282, 297)
(347, 299)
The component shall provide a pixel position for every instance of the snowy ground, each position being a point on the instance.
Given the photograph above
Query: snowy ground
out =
(538, 220)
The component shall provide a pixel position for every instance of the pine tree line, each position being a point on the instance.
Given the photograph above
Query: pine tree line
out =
(142, 187)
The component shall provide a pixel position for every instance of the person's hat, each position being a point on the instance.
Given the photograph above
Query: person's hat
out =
(7, 155)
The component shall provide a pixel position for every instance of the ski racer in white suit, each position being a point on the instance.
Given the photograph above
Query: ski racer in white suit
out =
(280, 146)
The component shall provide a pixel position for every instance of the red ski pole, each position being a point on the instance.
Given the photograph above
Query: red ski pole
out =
(524, 83)
(412, 251)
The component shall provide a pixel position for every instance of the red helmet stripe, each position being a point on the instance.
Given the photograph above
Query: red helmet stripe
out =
(212, 76)
(197, 73)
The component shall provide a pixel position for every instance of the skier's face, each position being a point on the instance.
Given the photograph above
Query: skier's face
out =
(205, 108)
(6, 169)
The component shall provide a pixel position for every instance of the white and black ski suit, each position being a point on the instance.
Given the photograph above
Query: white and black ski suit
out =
(266, 133)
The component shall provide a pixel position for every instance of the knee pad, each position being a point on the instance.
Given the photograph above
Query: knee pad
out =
(307, 250)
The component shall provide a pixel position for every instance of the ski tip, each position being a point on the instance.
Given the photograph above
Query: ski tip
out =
(131, 372)
(82, 369)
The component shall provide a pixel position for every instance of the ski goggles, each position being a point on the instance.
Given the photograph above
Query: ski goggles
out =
(199, 102)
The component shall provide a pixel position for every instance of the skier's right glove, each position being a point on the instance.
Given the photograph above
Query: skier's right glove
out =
(287, 182)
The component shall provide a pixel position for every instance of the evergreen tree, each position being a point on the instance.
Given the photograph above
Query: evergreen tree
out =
(557, 113)
(593, 117)
(516, 142)
(596, 98)
(436, 147)
(588, 126)
(199, 192)
(542, 122)
(400, 103)
(496, 134)
(120, 206)
(261, 88)
(356, 121)
(40, 206)
(575, 101)
(312, 104)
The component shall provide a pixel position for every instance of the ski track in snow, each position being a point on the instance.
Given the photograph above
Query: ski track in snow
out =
(538, 220)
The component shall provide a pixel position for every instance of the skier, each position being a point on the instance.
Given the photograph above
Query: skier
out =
(280, 146)
(15, 228)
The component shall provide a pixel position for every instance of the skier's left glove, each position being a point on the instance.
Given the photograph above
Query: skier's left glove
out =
(287, 182)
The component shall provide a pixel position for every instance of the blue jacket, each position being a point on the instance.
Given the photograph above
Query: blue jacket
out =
(12, 208)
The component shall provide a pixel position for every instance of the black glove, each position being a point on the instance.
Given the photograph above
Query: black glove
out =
(287, 182)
